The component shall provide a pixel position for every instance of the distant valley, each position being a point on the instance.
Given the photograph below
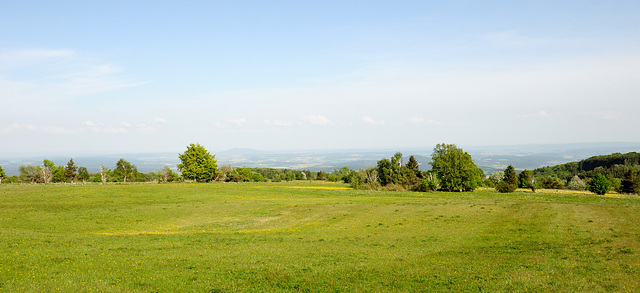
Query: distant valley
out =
(489, 158)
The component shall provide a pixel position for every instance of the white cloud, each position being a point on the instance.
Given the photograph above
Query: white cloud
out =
(318, 120)
(238, 122)
(369, 120)
(143, 128)
(539, 114)
(160, 120)
(125, 124)
(278, 123)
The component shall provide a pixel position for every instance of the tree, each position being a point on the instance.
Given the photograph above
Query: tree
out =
(166, 174)
(629, 182)
(70, 171)
(2, 174)
(524, 179)
(454, 168)
(124, 169)
(385, 170)
(197, 164)
(104, 173)
(576, 183)
(599, 184)
(29, 173)
(509, 182)
(83, 174)
(46, 171)
(496, 178)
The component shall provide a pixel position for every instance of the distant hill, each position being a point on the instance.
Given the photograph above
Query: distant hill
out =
(613, 165)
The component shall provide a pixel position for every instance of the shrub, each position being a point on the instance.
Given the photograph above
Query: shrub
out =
(576, 183)
(506, 187)
(599, 184)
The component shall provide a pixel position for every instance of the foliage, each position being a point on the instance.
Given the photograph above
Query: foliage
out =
(2, 174)
(630, 182)
(83, 174)
(496, 178)
(550, 182)
(28, 173)
(599, 184)
(455, 169)
(70, 171)
(576, 183)
(197, 164)
(525, 179)
(125, 169)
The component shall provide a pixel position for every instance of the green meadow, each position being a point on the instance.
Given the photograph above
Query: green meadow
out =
(312, 237)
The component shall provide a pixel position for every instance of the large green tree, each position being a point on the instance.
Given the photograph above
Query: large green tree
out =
(197, 164)
(454, 168)
(599, 184)
(124, 169)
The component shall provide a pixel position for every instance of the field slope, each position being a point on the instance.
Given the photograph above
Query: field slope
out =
(312, 237)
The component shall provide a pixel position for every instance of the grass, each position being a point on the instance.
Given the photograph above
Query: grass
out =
(312, 237)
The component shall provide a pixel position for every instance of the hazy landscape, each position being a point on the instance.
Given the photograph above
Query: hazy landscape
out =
(319, 146)
(489, 158)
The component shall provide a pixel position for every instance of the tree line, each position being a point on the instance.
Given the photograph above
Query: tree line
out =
(452, 169)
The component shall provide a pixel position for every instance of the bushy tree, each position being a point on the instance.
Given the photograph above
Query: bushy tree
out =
(124, 169)
(384, 172)
(629, 182)
(455, 169)
(576, 183)
(599, 184)
(496, 178)
(198, 164)
(83, 174)
(29, 173)
(524, 179)
(509, 182)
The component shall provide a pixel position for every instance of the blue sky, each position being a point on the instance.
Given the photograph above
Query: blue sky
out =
(152, 76)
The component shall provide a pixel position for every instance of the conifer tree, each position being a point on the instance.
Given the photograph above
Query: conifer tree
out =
(70, 171)
(630, 182)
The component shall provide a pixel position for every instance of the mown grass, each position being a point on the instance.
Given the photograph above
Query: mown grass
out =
(312, 237)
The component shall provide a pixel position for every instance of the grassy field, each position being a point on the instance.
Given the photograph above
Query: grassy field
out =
(312, 237)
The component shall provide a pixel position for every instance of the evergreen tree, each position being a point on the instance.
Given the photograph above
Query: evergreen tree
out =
(70, 171)
(510, 181)
(524, 179)
(413, 165)
(630, 182)
(599, 184)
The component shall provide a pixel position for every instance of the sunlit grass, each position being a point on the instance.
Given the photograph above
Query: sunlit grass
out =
(302, 236)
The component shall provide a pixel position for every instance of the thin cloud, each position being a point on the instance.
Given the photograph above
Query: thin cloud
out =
(371, 121)
(278, 123)
(318, 120)
(420, 120)
(160, 120)
(605, 115)
(238, 122)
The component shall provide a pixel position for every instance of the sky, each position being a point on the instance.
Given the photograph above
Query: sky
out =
(102, 77)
